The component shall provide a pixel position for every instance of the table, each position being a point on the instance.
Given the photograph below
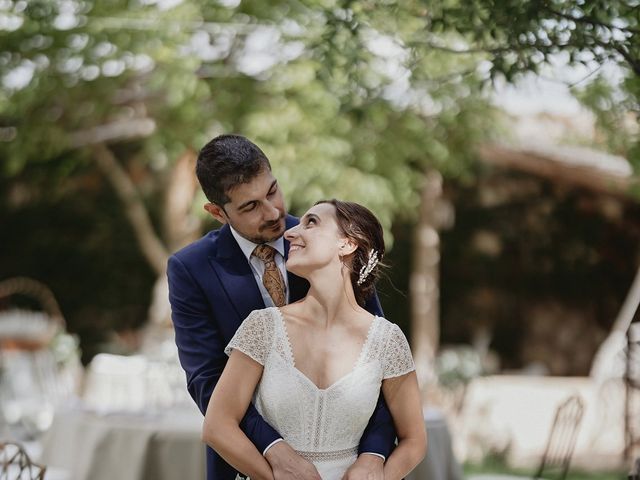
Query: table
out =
(167, 446)
(164, 446)
(440, 462)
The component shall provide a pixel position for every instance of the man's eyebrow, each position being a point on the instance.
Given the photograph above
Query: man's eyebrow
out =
(249, 202)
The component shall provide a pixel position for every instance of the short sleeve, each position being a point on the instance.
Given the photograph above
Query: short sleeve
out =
(254, 336)
(397, 358)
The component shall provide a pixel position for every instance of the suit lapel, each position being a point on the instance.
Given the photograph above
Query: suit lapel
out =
(237, 278)
(236, 275)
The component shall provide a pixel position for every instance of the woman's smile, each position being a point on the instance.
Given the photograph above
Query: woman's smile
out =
(295, 247)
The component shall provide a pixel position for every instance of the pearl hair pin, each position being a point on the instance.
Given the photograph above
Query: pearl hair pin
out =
(368, 268)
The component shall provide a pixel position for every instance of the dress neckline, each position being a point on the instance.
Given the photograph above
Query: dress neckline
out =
(292, 359)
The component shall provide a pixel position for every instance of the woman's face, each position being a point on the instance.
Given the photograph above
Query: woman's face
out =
(316, 242)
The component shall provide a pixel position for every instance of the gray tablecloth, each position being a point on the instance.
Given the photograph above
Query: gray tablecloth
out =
(440, 462)
(160, 447)
(168, 447)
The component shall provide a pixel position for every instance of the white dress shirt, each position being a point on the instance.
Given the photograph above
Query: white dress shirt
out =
(257, 265)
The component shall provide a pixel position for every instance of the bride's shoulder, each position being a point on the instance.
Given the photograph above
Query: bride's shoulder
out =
(263, 316)
(254, 336)
(387, 328)
(394, 351)
(385, 323)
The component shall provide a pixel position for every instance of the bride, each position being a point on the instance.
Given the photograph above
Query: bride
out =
(314, 368)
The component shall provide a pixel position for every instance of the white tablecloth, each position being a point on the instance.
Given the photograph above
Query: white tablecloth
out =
(168, 447)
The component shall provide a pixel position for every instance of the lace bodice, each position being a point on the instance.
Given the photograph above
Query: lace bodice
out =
(323, 424)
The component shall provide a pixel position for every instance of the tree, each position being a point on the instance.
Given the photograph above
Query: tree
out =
(519, 37)
(352, 98)
(337, 98)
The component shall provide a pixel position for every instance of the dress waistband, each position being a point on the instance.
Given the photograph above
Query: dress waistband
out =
(332, 455)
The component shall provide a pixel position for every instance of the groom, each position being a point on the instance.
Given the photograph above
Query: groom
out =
(215, 282)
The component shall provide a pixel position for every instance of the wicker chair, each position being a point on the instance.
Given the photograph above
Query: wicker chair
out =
(30, 374)
(29, 333)
(15, 464)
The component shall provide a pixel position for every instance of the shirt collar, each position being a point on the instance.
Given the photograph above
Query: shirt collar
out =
(247, 246)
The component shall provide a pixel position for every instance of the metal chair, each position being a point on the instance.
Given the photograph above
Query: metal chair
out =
(15, 464)
(562, 439)
(632, 390)
(634, 474)
(560, 445)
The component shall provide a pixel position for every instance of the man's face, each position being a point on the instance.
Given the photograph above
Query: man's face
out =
(255, 209)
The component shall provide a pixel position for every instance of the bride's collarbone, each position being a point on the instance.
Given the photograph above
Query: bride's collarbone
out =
(309, 338)
(350, 323)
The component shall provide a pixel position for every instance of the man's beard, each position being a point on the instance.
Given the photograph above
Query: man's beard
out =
(269, 235)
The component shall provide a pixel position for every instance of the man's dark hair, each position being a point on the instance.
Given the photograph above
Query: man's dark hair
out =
(228, 161)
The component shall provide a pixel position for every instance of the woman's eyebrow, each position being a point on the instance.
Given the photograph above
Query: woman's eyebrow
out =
(310, 215)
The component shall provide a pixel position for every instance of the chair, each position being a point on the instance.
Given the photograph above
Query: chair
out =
(560, 444)
(35, 374)
(562, 439)
(634, 474)
(15, 464)
(632, 389)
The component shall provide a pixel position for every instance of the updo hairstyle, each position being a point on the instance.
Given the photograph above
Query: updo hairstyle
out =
(362, 227)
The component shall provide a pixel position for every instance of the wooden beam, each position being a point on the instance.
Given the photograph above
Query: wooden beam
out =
(552, 166)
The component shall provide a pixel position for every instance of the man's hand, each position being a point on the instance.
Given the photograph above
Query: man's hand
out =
(366, 467)
(288, 465)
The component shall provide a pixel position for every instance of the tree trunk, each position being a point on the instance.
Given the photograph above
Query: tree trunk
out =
(180, 228)
(424, 284)
(608, 361)
(150, 244)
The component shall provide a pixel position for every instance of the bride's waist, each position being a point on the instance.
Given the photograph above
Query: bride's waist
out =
(329, 455)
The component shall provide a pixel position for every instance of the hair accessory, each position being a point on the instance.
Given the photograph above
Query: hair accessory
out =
(367, 269)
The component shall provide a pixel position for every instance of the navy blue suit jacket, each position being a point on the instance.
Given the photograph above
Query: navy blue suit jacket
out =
(212, 290)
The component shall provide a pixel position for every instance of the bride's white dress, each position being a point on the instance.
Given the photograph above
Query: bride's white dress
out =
(322, 425)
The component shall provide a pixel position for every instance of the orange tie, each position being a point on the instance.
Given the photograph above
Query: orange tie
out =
(272, 278)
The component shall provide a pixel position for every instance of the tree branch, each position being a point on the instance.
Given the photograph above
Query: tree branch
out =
(551, 165)
(518, 47)
(590, 21)
(461, 51)
(116, 131)
(150, 245)
(633, 62)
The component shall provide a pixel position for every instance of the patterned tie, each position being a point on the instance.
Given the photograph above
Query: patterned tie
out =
(272, 278)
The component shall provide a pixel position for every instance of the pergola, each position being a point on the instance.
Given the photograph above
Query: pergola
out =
(573, 166)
